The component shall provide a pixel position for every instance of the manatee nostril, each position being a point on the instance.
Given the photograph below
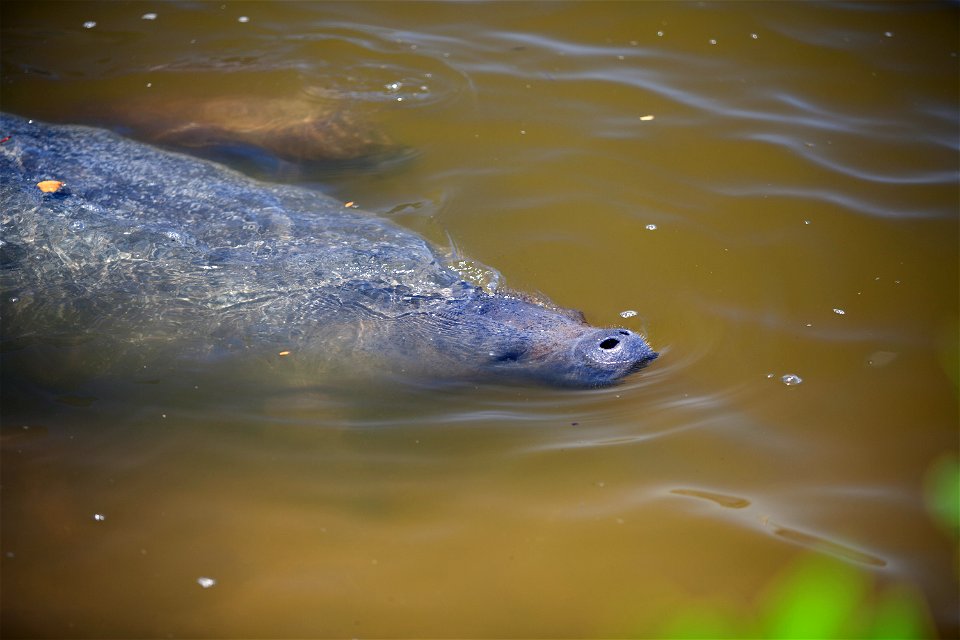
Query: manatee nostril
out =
(623, 332)
(609, 343)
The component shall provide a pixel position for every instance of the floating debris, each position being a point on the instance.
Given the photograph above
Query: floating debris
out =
(99, 517)
(50, 186)
(148, 16)
(205, 582)
(629, 313)
(791, 379)
(651, 227)
(881, 358)
(89, 24)
(839, 312)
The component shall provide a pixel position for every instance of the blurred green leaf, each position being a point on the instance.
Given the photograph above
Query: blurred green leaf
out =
(900, 614)
(942, 491)
(702, 622)
(818, 598)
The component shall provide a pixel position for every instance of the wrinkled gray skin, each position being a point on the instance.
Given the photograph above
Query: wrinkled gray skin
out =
(150, 256)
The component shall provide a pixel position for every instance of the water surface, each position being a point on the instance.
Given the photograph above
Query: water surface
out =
(773, 188)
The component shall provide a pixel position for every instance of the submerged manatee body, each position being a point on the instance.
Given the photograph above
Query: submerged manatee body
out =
(271, 136)
(151, 256)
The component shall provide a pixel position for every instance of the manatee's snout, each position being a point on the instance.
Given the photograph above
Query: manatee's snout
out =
(614, 353)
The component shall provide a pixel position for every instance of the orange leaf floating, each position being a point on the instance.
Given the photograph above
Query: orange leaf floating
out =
(284, 353)
(50, 186)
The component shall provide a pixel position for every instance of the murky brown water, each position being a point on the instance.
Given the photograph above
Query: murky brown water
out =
(791, 208)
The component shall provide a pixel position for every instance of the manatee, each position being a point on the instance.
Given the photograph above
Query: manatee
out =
(275, 136)
(151, 260)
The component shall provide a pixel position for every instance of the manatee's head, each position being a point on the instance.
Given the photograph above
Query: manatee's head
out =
(526, 341)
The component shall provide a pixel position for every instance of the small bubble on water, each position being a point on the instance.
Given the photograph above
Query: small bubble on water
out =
(888, 34)
(651, 227)
(89, 24)
(791, 379)
(713, 41)
(771, 376)
(754, 36)
(148, 16)
(629, 313)
(659, 34)
(206, 582)
(840, 312)
(243, 19)
(99, 517)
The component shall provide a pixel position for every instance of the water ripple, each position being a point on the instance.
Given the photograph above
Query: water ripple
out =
(838, 198)
(816, 156)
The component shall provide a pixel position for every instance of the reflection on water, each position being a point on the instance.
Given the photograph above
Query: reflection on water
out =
(731, 502)
(827, 546)
(800, 159)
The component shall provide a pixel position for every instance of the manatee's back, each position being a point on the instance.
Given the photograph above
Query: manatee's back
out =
(152, 246)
